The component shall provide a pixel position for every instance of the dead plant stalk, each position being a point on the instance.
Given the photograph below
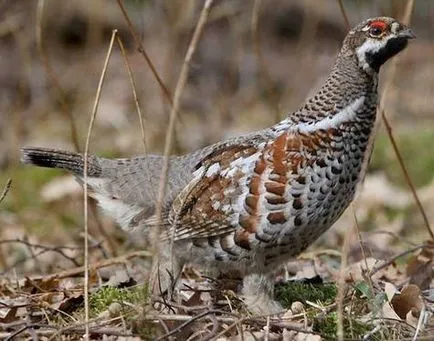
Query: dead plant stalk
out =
(86, 211)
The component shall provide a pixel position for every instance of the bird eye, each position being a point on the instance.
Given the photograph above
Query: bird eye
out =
(375, 31)
(377, 28)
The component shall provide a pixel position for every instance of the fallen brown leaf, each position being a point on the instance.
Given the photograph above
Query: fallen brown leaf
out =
(419, 267)
(408, 300)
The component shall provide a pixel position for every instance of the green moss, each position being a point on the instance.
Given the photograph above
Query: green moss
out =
(104, 297)
(129, 299)
(290, 292)
(326, 326)
(416, 150)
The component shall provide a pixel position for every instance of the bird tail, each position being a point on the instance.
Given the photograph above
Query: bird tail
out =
(52, 158)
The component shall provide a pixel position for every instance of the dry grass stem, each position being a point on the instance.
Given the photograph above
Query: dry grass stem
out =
(86, 154)
(133, 89)
(170, 130)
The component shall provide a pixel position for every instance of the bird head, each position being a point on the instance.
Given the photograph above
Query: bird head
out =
(376, 40)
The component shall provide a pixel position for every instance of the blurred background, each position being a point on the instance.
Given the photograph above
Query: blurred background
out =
(253, 66)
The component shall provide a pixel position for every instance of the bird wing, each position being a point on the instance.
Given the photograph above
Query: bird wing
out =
(224, 195)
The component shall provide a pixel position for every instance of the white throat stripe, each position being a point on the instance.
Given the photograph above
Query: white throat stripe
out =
(349, 113)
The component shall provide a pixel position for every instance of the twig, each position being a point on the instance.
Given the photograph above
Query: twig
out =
(406, 175)
(388, 262)
(6, 189)
(102, 264)
(42, 246)
(33, 256)
(344, 14)
(169, 134)
(179, 306)
(142, 50)
(52, 75)
(267, 330)
(233, 319)
(86, 213)
(185, 324)
(78, 328)
(341, 287)
(58, 249)
(359, 236)
(419, 322)
(26, 327)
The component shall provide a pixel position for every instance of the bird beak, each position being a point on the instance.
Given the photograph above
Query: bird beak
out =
(406, 33)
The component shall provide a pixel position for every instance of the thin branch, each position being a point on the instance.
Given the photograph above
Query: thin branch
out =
(389, 261)
(406, 174)
(185, 324)
(142, 50)
(86, 212)
(46, 248)
(102, 264)
(6, 189)
(419, 323)
(344, 14)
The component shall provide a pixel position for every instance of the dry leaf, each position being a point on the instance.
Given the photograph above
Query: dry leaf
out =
(41, 285)
(411, 319)
(388, 312)
(419, 267)
(408, 300)
(8, 315)
(390, 291)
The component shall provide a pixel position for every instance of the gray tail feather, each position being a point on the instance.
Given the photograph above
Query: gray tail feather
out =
(52, 158)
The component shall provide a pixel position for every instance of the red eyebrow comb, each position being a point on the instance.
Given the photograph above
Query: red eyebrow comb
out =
(380, 24)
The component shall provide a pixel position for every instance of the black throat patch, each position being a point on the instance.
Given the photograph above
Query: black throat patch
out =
(378, 58)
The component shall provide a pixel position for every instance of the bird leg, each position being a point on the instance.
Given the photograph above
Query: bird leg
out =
(258, 294)
(169, 272)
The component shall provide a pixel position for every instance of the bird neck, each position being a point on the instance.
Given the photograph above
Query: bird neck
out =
(349, 93)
